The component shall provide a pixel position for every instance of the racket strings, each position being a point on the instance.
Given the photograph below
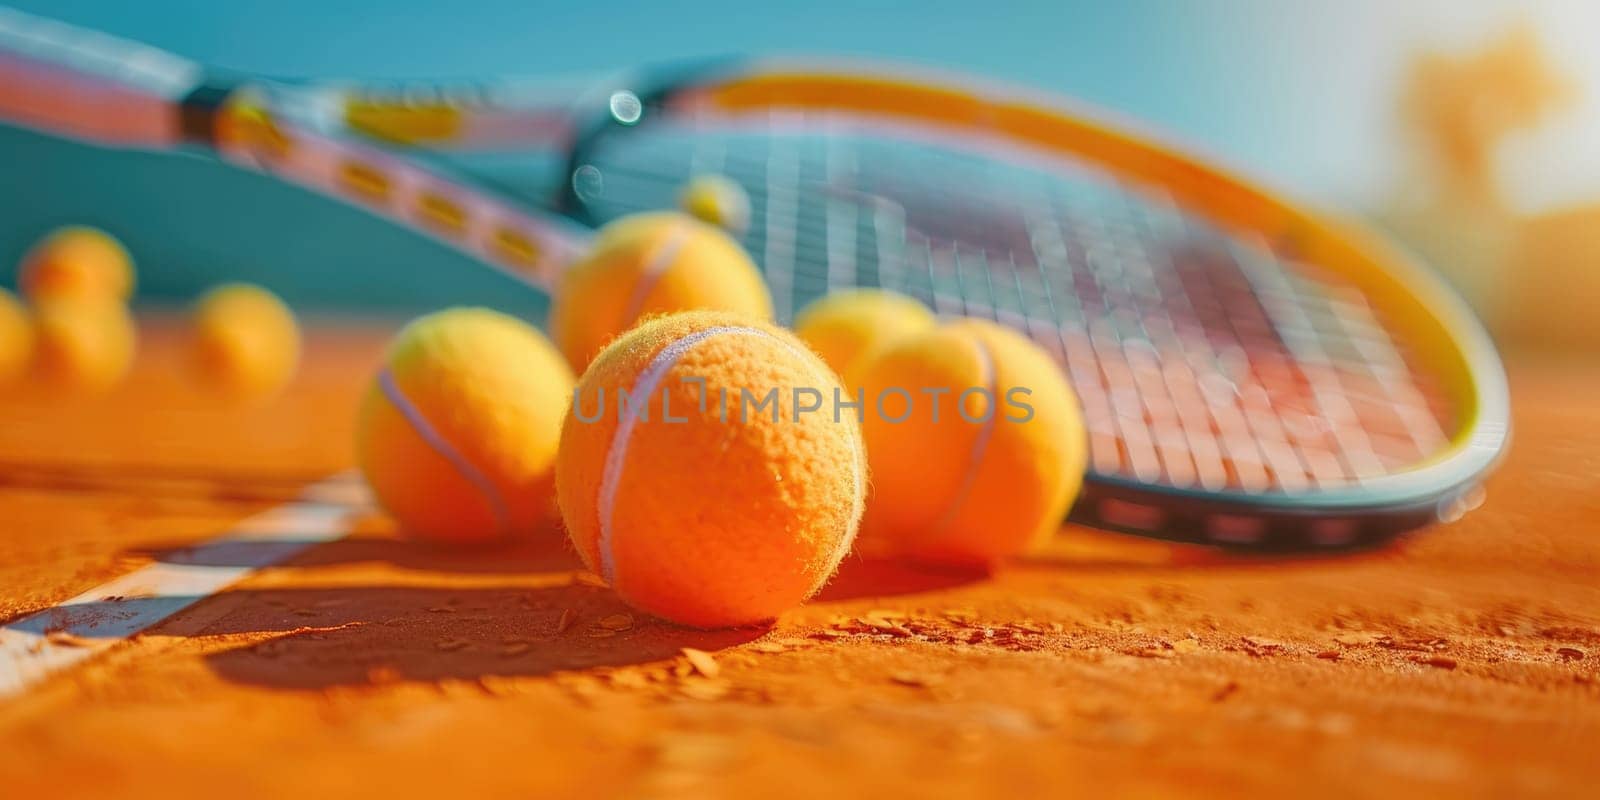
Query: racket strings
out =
(1202, 360)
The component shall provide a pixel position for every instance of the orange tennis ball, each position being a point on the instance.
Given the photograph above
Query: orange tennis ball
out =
(77, 261)
(718, 201)
(457, 434)
(83, 343)
(847, 327)
(976, 444)
(716, 513)
(649, 264)
(243, 340)
(16, 338)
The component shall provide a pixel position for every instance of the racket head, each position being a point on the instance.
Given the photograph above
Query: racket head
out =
(1252, 374)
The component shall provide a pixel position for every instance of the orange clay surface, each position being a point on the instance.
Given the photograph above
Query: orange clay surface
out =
(1464, 662)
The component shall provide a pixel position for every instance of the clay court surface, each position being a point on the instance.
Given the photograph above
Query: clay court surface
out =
(1463, 662)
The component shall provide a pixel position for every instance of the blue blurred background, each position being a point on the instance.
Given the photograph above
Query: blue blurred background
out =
(1299, 94)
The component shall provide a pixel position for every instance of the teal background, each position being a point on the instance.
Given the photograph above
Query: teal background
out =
(1282, 89)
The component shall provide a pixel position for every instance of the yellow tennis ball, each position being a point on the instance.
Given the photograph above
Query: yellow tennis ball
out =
(16, 337)
(649, 264)
(457, 434)
(243, 340)
(717, 200)
(846, 327)
(722, 489)
(976, 444)
(83, 343)
(77, 261)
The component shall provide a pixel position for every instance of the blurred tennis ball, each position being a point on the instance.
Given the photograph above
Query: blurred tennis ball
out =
(83, 343)
(457, 435)
(649, 264)
(244, 341)
(718, 201)
(16, 337)
(847, 327)
(78, 262)
(714, 498)
(976, 443)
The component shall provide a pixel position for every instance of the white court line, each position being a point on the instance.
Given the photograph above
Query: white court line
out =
(49, 641)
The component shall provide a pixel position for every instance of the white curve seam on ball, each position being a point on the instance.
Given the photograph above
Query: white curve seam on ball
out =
(644, 387)
(677, 236)
(980, 445)
(442, 446)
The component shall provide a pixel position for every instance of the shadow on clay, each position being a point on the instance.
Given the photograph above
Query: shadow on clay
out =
(370, 541)
(1080, 550)
(351, 636)
(862, 577)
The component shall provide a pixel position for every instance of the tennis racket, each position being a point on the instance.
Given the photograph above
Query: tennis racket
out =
(81, 83)
(1252, 374)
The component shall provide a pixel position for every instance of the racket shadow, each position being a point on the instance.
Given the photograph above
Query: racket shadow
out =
(1079, 549)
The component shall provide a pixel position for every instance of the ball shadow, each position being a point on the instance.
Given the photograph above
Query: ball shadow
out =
(309, 638)
(371, 540)
(875, 576)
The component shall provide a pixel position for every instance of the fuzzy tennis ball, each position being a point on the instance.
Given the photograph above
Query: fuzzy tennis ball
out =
(83, 343)
(77, 261)
(976, 444)
(716, 513)
(457, 434)
(717, 200)
(651, 264)
(16, 338)
(243, 340)
(846, 327)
